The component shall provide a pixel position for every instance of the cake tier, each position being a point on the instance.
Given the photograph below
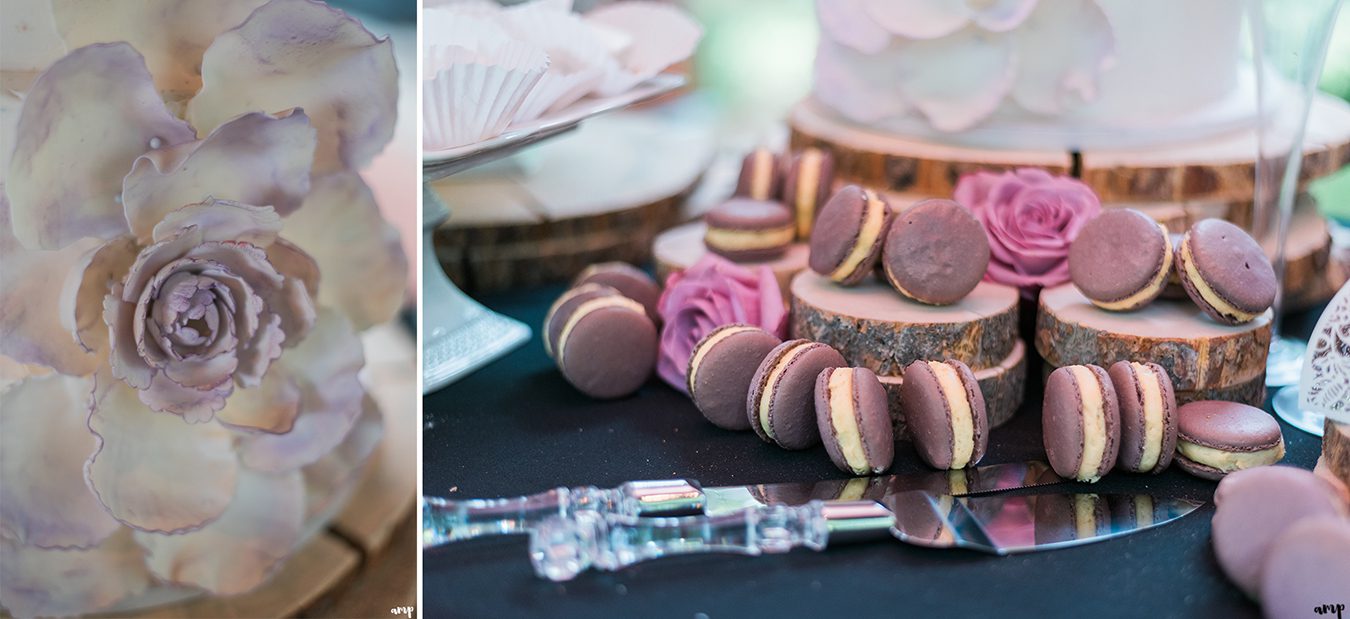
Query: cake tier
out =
(679, 248)
(1216, 169)
(1002, 385)
(1199, 354)
(874, 327)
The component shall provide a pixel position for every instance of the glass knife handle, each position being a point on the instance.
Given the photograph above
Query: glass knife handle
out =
(562, 548)
(447, 520)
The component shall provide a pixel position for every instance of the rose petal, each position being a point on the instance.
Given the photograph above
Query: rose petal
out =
(957, 100)
(859, 87)
(1002, 15)
(44, 444)
(10, 104)
(1052, 68)
(85, 121)
(919, 19)
(242, 548)
(363, 265)
(221, 220)
(12, 372)
(293, 262)
(847, 23)
(89, 281)
(37, 582)
(31, 330)
(29, 41)
(295, 53)
(195, 406)
(269, 407)
(332, 476)
(253, 159)
(325, 365)
(153, 471)
(171, 34)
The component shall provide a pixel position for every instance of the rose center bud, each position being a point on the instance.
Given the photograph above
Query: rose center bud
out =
(188, 315)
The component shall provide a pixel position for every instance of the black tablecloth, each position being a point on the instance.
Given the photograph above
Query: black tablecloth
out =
(516, 427)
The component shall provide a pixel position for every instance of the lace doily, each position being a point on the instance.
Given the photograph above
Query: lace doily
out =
(1326, 366)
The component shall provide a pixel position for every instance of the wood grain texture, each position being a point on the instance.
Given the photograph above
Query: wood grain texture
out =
(1003, 387)
(1251, 391)
(1197, 352)
(874, 327)
(1336, 449)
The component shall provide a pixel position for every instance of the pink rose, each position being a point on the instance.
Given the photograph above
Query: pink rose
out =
(712, 293)
(1031, 218)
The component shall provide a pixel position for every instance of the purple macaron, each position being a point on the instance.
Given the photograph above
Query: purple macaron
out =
(945, 413)
(853, 416)
(746, 230)
(1308, 569)
(936, 252)
(1121, 259)
(807, 186)
(781, 404)
(721, 367)
(846, 241)
(1215, 438)
(629, 280)
(605, 345)
(761, 176)
(1080, 422)
(557, 314)
(1148, 416)
(1225, 271)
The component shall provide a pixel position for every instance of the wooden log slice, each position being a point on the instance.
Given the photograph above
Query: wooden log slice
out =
(1219, 168)
(1197, 352)
(1251, 391)
(1307, 259)
(874, 327)
(1336, 449)
(1003, 387)
(679, 248)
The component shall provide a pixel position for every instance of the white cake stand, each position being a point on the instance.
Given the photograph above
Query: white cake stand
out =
(459, 334)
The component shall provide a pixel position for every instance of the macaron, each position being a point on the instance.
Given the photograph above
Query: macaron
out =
(607, 346)
(1080, 421)
(1308, 569)
(761, 176)
(846, 241)
(1067, 517)
(721, 367)
(807, 186)
(945, 413)
(1253, 508)
(746, 230)
(854, 420)
(1225, 272)
(1215, 438)
(935, 252)
(1120, 260)
(781, 404)
(629, 280)
(1132, 511)
(1148, 416)
(555, 319)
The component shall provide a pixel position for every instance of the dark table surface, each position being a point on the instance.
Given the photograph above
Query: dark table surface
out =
(516, 427)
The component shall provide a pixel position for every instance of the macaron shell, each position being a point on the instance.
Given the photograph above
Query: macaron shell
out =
(792, 415)
(1196, 469)
(745, 183)
(935, 252)
(824, 180)
(609, 352)
(1232, 263)
(725, 373)
(1230, 426)
(748, 216)
(1254, 507)
(1056, 517)
(928, 415)
(563, 307)
(1062, 421)
(838, 230)
(629, 280)
(1308, 567)
(1118, 254)
(1132, 419)
(871, 414)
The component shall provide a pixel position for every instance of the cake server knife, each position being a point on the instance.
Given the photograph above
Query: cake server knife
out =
(448, 520)
(561, 548)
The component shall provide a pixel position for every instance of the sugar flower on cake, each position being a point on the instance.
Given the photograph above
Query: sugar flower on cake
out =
(190, 256)
(1031, 217)
(956, 61)
(712, 293)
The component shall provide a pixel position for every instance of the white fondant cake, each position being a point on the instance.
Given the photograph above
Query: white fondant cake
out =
(1062, 74)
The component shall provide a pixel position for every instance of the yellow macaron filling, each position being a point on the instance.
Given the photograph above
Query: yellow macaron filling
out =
(1228, 461)
(1157, 283)
(703, 349)
(845, 422)
(553, 309)
(1085, 515)
(853, 489)
(1201, 286)
(590, 306)
(957, 482)
(766, 397)
(874, 218)
(1143, 510)
(1094, 423)
(1151, 389)
(735, 240)
(762, 175)
(963, 419)
(808, 185)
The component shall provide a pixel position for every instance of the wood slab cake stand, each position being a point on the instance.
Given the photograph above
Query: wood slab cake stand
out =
(1204, 358)
(1336, 450)
(680, 247)
(1002, 386)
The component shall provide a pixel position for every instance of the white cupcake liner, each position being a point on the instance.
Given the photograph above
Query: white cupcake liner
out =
(443, 29)
(577, 60)
(472, 96)
(557, 90)
(661, 35)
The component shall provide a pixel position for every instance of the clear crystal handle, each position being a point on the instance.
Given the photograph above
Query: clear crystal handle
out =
(446, 520)
(561, 548)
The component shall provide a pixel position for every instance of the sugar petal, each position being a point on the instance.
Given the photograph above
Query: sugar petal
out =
(31, 330)
(919, 19)
(38, 582)
(88, 282)
(1055, 69)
